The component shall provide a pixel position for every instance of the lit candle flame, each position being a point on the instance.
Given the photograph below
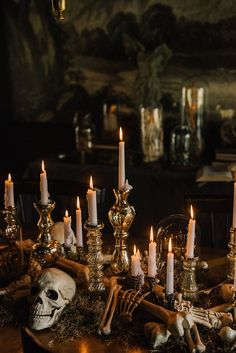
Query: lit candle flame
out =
(170, 245)
(78, 202)
(134, 249)
(191, 211)
(91, 182)
(121, 134)
(66, 214)
(151, 234)
(43, 168)
(9, 177)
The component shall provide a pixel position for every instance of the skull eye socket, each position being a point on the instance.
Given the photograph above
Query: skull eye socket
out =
(34, 290)
(51, 294)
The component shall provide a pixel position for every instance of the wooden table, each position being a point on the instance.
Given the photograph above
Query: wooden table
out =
(10, 341)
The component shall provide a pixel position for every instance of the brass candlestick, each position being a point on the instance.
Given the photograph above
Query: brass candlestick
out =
(58, 8)
(12, 231)
(95, 257)
(46, 249)
(232, 253)
(189, 284)
(121, 216)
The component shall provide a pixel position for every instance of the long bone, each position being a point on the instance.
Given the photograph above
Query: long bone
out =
(195, 345)
(113, 283)
(107, 328)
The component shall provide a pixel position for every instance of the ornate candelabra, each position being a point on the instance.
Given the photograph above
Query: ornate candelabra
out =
(189, 284)
(121, 216)
(46, 249)
(232, 253)
(95, 257)
(11, 232)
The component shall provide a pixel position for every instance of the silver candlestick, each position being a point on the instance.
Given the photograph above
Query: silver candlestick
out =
(46, 249)
(189, 284)
(121, 216)
(95, 257)
(232, 253)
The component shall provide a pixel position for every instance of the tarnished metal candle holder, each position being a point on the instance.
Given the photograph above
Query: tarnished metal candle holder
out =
(232, 253)
(12, 231)
(188, 285)
(121, 216)
(95, 257)
(81, 256)
(58, 8)
(46, 249)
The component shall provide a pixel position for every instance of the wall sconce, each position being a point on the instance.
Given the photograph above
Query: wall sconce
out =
(58, 8)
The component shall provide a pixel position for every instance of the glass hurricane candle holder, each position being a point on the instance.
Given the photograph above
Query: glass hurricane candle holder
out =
(176, 227)
(121, 216)
(46, 249)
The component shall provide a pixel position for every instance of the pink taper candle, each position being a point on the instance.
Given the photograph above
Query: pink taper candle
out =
(191, 236)
(44, 186)
(79, 233)
(121, 166)
(152, 267)
(9, 192)
(234, 207)
(170, 270)
(92, 204)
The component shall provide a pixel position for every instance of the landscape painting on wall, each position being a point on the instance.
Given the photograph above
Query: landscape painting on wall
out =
(101, 47)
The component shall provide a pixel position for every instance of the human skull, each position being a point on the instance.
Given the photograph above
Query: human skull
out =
(52, 290)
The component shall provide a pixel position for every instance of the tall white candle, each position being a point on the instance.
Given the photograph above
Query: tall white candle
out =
(121, 166)
(170, 270)
(79, 233)
(92, 204)
(68, 239)
(191, 236)
(135, 263)
(9, 192)
(44, 186)
(152, 267)
(234, 207)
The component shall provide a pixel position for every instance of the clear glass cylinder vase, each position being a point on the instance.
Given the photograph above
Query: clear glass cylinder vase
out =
(152, 133)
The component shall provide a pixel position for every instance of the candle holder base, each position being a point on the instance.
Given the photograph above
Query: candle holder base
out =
(170, 301)
(232, 254)
(189, 285)
(134, 282)
(69, 254)
(46, 249)
(95, 257)
(121, 216)
(151, 281)
(81, 256)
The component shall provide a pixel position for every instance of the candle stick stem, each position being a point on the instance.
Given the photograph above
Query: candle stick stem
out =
(121, 216)
(189, 285)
